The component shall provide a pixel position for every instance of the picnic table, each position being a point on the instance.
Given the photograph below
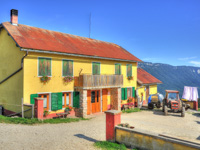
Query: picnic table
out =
(63, 115)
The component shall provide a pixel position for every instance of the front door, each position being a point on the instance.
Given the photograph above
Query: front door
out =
(95, 101)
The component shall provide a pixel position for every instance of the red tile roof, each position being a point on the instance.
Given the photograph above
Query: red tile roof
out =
(144, 77)
(41, 39)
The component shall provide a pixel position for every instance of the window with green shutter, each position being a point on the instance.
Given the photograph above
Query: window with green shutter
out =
(118, 69)
(76, 99)
(96, 68)
(133, 92)
(44, 67)
(32, 100)
(67, 68)
(129, 70)
(123, 93)
(56, 101)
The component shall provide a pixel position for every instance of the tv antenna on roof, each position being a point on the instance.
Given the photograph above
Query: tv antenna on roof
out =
(90, 24)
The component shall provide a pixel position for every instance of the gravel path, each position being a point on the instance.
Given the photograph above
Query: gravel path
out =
(81, 135)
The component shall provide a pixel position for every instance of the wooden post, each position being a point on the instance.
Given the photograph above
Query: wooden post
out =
(22, 108)
(32, 111)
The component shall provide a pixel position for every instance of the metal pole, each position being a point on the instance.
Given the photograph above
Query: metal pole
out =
(22, 108)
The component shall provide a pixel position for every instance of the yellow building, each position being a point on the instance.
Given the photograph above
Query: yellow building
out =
(90, 75)
(146, 85)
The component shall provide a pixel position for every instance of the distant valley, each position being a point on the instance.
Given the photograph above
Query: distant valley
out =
(173, 77)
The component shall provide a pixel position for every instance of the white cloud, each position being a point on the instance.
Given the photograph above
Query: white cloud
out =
(196, 63)
(187, 58)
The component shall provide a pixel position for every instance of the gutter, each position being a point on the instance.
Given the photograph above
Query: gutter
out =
(22, 63)
(78, 55)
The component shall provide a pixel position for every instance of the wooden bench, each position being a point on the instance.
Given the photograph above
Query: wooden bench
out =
(63, 115)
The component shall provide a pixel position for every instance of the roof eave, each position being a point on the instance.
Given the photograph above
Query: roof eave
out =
(78, 55)
(149, 83)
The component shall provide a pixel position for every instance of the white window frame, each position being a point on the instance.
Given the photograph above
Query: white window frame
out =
(38, 65)
(73, 67)
(92, 66)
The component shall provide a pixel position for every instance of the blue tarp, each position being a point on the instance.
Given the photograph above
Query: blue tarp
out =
(149, 99)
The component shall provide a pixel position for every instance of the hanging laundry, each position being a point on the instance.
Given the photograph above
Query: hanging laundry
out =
(190, 93)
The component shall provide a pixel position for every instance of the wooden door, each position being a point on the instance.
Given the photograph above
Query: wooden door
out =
(98, 99)
(104, 97)
(95, 101)
(88, 102)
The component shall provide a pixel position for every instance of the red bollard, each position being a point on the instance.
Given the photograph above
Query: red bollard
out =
(113, 118)
(39, 110)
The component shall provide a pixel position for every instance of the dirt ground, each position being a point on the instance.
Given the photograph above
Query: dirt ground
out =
(81, 135)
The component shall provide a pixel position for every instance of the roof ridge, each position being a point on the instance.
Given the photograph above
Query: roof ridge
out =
(68, 34)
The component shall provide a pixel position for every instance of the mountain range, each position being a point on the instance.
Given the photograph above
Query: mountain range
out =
(173, 77)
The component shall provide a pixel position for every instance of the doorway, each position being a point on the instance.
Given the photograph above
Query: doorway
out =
(95, 101)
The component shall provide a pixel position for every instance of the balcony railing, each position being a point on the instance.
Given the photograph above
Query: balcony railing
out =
(86, 81)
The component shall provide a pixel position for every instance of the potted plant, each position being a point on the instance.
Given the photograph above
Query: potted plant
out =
(130, 99)
(68, 79)
(68, 108)
(130, 77)
(46, 113)
(44, 79)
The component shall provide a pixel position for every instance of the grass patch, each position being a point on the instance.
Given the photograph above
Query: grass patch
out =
(28, 121)
(198, 109)
(105, 145)
(131, 110)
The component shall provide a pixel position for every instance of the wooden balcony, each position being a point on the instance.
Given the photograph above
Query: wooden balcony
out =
(86, 81)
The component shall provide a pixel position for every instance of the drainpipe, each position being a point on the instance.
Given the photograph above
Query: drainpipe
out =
(22, 63)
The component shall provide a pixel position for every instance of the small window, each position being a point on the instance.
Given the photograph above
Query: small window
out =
(97, 96)
(67, 68)
(129, 70)
(44, 67)
(66, 99)
(96, 68)
(93, 97)
(118, 69)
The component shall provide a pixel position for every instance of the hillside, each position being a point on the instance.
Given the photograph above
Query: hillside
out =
(173, 77)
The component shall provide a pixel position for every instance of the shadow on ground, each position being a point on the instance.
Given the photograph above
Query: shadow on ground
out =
(161, 113)
(196, 114)
(85, 137)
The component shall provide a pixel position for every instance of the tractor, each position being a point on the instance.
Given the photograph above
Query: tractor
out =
(173, 103)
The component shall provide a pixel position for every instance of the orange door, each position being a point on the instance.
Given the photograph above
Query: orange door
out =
(95, 101)
(88, 102)
(98, 99)
(104, 96)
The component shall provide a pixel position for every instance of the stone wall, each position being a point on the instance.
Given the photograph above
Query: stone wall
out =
(82, 111)
(115, 97)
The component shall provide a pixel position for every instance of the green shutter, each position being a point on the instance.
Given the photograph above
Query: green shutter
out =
(32, 98)
(98, 68)
(122, 94)
(67, 67)
(44, 67)
(70, 71)
(129, 70)
(133, 91)
(76, 99)
(60, 100)
(48, 66)
(117, 69)
(125, 93)
(95, 68)
(56, 101)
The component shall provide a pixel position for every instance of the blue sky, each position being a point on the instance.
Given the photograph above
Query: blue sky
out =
(163, 31)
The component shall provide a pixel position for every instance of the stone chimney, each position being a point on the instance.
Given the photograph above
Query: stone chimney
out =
(14, 17)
